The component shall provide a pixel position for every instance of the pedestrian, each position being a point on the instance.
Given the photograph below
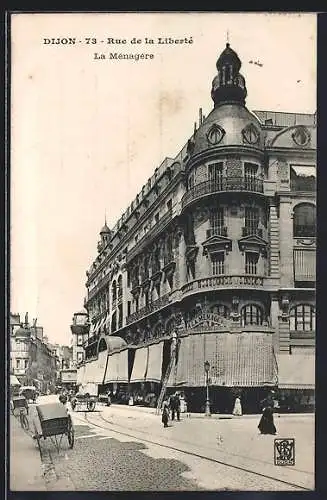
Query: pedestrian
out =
(266, 424)
(237, 411)
(175, 406)
(109, 398)
(165, 413)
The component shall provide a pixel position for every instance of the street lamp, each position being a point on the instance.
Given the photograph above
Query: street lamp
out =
(207, 407)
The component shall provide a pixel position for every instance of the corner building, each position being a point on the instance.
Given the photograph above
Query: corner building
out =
(218, 249)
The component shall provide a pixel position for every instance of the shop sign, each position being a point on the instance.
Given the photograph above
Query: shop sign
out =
(206, 319)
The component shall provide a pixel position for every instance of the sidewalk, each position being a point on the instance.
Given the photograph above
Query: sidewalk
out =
(25, 461)
(220, 416)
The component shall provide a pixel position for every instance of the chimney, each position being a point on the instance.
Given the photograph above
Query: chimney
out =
(194, 127)
(200, 117)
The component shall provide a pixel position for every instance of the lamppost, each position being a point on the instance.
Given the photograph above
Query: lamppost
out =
(207, 407)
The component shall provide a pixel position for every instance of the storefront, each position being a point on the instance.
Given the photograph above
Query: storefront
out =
(296, 382)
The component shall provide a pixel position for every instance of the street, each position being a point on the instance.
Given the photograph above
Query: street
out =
(127, 448)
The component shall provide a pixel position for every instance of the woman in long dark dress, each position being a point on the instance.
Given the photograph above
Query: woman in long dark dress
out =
(266, 424)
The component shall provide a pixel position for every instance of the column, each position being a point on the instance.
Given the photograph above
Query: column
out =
(273, 240)
(286, 242)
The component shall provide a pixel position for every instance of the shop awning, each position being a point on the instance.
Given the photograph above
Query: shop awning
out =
(117, 367)
(94, 370)
(80, 375)
(153, 373)
(140, 365)
(236, 360)
(296, 371)
(102, 362)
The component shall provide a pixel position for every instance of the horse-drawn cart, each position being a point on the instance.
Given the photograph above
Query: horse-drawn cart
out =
(83, 402)
(55, 423)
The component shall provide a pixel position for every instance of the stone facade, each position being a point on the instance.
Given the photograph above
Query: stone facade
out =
(226, 228)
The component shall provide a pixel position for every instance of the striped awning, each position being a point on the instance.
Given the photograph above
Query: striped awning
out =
(153, 373)
(236, 360)
(94, 370)
(117, 368)
(296, 371)
(140, 365)
(304, 264)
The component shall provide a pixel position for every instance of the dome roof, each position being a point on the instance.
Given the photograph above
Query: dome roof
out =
(23, 332)
(82, 311)
(105, 229)
(228, 125)
(229, 56)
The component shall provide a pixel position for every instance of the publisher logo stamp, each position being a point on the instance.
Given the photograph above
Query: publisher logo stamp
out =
(284, 451)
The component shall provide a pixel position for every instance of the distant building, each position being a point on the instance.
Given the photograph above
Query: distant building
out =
(220, 247)
(31, 360)
(80, 332)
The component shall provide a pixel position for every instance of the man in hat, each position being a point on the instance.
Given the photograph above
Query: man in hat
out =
(175, 406)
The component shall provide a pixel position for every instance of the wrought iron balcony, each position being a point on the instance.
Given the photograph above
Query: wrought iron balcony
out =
(247, 184)
(224, 281)
(252, 230)
(149, 309)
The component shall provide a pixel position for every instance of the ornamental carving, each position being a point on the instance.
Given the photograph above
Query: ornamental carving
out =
(215, 134)
(253, 243)
(216, 244)
(234, 167)
(301, 136)
(250, 134)
(191, 252)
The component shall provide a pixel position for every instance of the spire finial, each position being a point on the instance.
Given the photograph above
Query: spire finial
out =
(105, 217)
(227, 38)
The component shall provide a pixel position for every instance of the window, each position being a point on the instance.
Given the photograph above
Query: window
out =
(191, 180)
(221, 310)
(147, 297)
(251, 261)
(218, 263)
(169, 205)
(25, 364)
(303, 318)
(250, 172)
(217, 222)
(215, 172)
(114, 291)
(156, 218)
(304, 220)
(120, 316)
(113, 322)
(128, 308)
(136, 238)
(251, 220)
(80, 357)
(79, 339)
(251, 315)
(120, 286)
(136, 304)
(168, 253)
(17, 363)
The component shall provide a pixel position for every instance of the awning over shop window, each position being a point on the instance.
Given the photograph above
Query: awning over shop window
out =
(296, 371)
(80, 375)
(117, 367)
(94, 370)
(236, 360)
(140, 365)
(153, 373)
(304, 265)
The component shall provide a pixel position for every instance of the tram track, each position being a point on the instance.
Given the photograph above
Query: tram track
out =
(103, 425)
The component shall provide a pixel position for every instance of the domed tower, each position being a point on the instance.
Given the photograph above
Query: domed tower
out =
(105, 237)
(225, 209)
(229, 85)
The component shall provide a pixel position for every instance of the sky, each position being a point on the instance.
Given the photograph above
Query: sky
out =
(87, 133)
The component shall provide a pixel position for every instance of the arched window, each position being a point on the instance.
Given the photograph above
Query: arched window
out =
(304, 220)
(303, 318)
(120, 286)
(221, 310)
(251, 315)
(114, 291)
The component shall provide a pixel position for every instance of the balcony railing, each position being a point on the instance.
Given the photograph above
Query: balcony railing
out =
(217, 231)
(150, 308)
(254, 185)
(252, 230)
(214, 282)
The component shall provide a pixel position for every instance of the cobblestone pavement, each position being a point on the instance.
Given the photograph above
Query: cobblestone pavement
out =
(125, 460)
(120, 448)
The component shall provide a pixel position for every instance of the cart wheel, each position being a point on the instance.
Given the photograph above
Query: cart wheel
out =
(24, 421)
(91, 405)
(70, 434)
